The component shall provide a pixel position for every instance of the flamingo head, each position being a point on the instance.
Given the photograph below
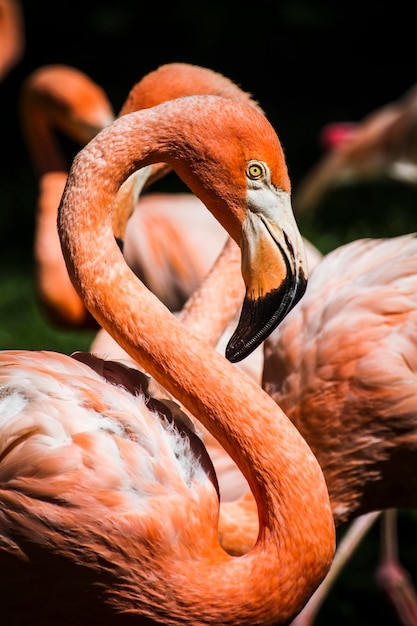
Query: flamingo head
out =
(241, 174)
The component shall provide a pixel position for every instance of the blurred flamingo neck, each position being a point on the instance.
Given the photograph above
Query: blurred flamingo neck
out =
(201, 313)
(43, 146)
(62, 305)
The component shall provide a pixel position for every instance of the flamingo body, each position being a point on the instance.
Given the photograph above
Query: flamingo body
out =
(344, 367)
(97, 452)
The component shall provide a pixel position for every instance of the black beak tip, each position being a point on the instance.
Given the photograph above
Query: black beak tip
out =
(260, 317)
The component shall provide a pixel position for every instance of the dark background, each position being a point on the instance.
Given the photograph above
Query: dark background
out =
(307, 62)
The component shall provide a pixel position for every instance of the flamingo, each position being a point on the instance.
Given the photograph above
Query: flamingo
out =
(231, 483)
(12, 35)
(108, 509)
(381, 146)
(58, 98)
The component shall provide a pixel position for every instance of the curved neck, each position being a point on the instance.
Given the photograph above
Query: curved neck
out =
(43, 146)
(296, 524)
(58, 297)
(201, 313)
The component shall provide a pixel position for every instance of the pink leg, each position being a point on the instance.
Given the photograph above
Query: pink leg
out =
(391, 576)
(345, 549)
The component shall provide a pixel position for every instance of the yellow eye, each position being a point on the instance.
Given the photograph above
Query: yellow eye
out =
(255, 170)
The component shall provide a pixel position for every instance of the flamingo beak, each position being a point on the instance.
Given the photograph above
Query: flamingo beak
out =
(274, 269)
(126, 201)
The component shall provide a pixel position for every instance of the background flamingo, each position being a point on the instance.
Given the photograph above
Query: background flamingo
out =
(381, 146)
(84, 507)
(188, 238)
(58, 99)
(12, 35)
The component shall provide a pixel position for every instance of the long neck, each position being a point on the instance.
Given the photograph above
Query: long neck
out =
(43, 146)
(296, 539)
(201, 313)
(58, 297)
